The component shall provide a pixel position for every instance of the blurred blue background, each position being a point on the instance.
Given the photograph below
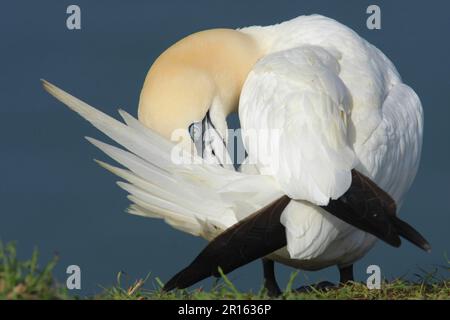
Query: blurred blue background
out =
(55, 197)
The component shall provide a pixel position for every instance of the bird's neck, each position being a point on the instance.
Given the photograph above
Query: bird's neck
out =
(226, 56)
(203, 70)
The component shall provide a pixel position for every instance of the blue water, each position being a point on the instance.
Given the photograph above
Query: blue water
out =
(55, 197)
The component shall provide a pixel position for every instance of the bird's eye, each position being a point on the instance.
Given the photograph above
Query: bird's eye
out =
(195, 131)
(191, 130)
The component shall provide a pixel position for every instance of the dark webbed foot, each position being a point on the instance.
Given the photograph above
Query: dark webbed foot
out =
(345, 276)
(321, 286)
(273, 290)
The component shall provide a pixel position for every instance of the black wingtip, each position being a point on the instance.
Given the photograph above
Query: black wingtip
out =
(393, 240)
(411, 234)
(186, 278)
(256, 236)
(170, 285)
(176, 282)
(173, 283)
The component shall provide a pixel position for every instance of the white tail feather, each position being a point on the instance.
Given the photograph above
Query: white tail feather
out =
(200, 199)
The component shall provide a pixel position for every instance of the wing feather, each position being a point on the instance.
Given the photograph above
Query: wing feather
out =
(293, 113)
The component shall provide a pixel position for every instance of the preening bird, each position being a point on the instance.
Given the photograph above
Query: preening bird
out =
(333, 138)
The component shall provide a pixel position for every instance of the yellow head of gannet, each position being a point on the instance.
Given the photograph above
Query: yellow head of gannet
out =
(202, 72)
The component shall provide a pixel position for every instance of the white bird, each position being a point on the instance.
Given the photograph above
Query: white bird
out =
(333, 139)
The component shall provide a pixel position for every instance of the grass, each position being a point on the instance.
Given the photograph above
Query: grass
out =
(26, 280)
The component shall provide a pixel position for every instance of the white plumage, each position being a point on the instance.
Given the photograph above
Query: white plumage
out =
(200, 199)
(338, 104)
(298, 94)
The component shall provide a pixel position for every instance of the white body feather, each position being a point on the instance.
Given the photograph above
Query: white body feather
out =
(339, 103)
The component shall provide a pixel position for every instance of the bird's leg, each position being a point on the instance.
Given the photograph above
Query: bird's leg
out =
(345, 276)
(270, 282)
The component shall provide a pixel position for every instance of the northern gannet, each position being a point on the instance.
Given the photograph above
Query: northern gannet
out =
(316, 194)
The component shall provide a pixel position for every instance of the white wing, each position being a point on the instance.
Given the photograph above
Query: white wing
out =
(293, 111)
(391, 155)
(339, 103)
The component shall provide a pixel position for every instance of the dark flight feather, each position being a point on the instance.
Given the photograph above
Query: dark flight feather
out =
(367, 207)
(364, 205)
(249, 239)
